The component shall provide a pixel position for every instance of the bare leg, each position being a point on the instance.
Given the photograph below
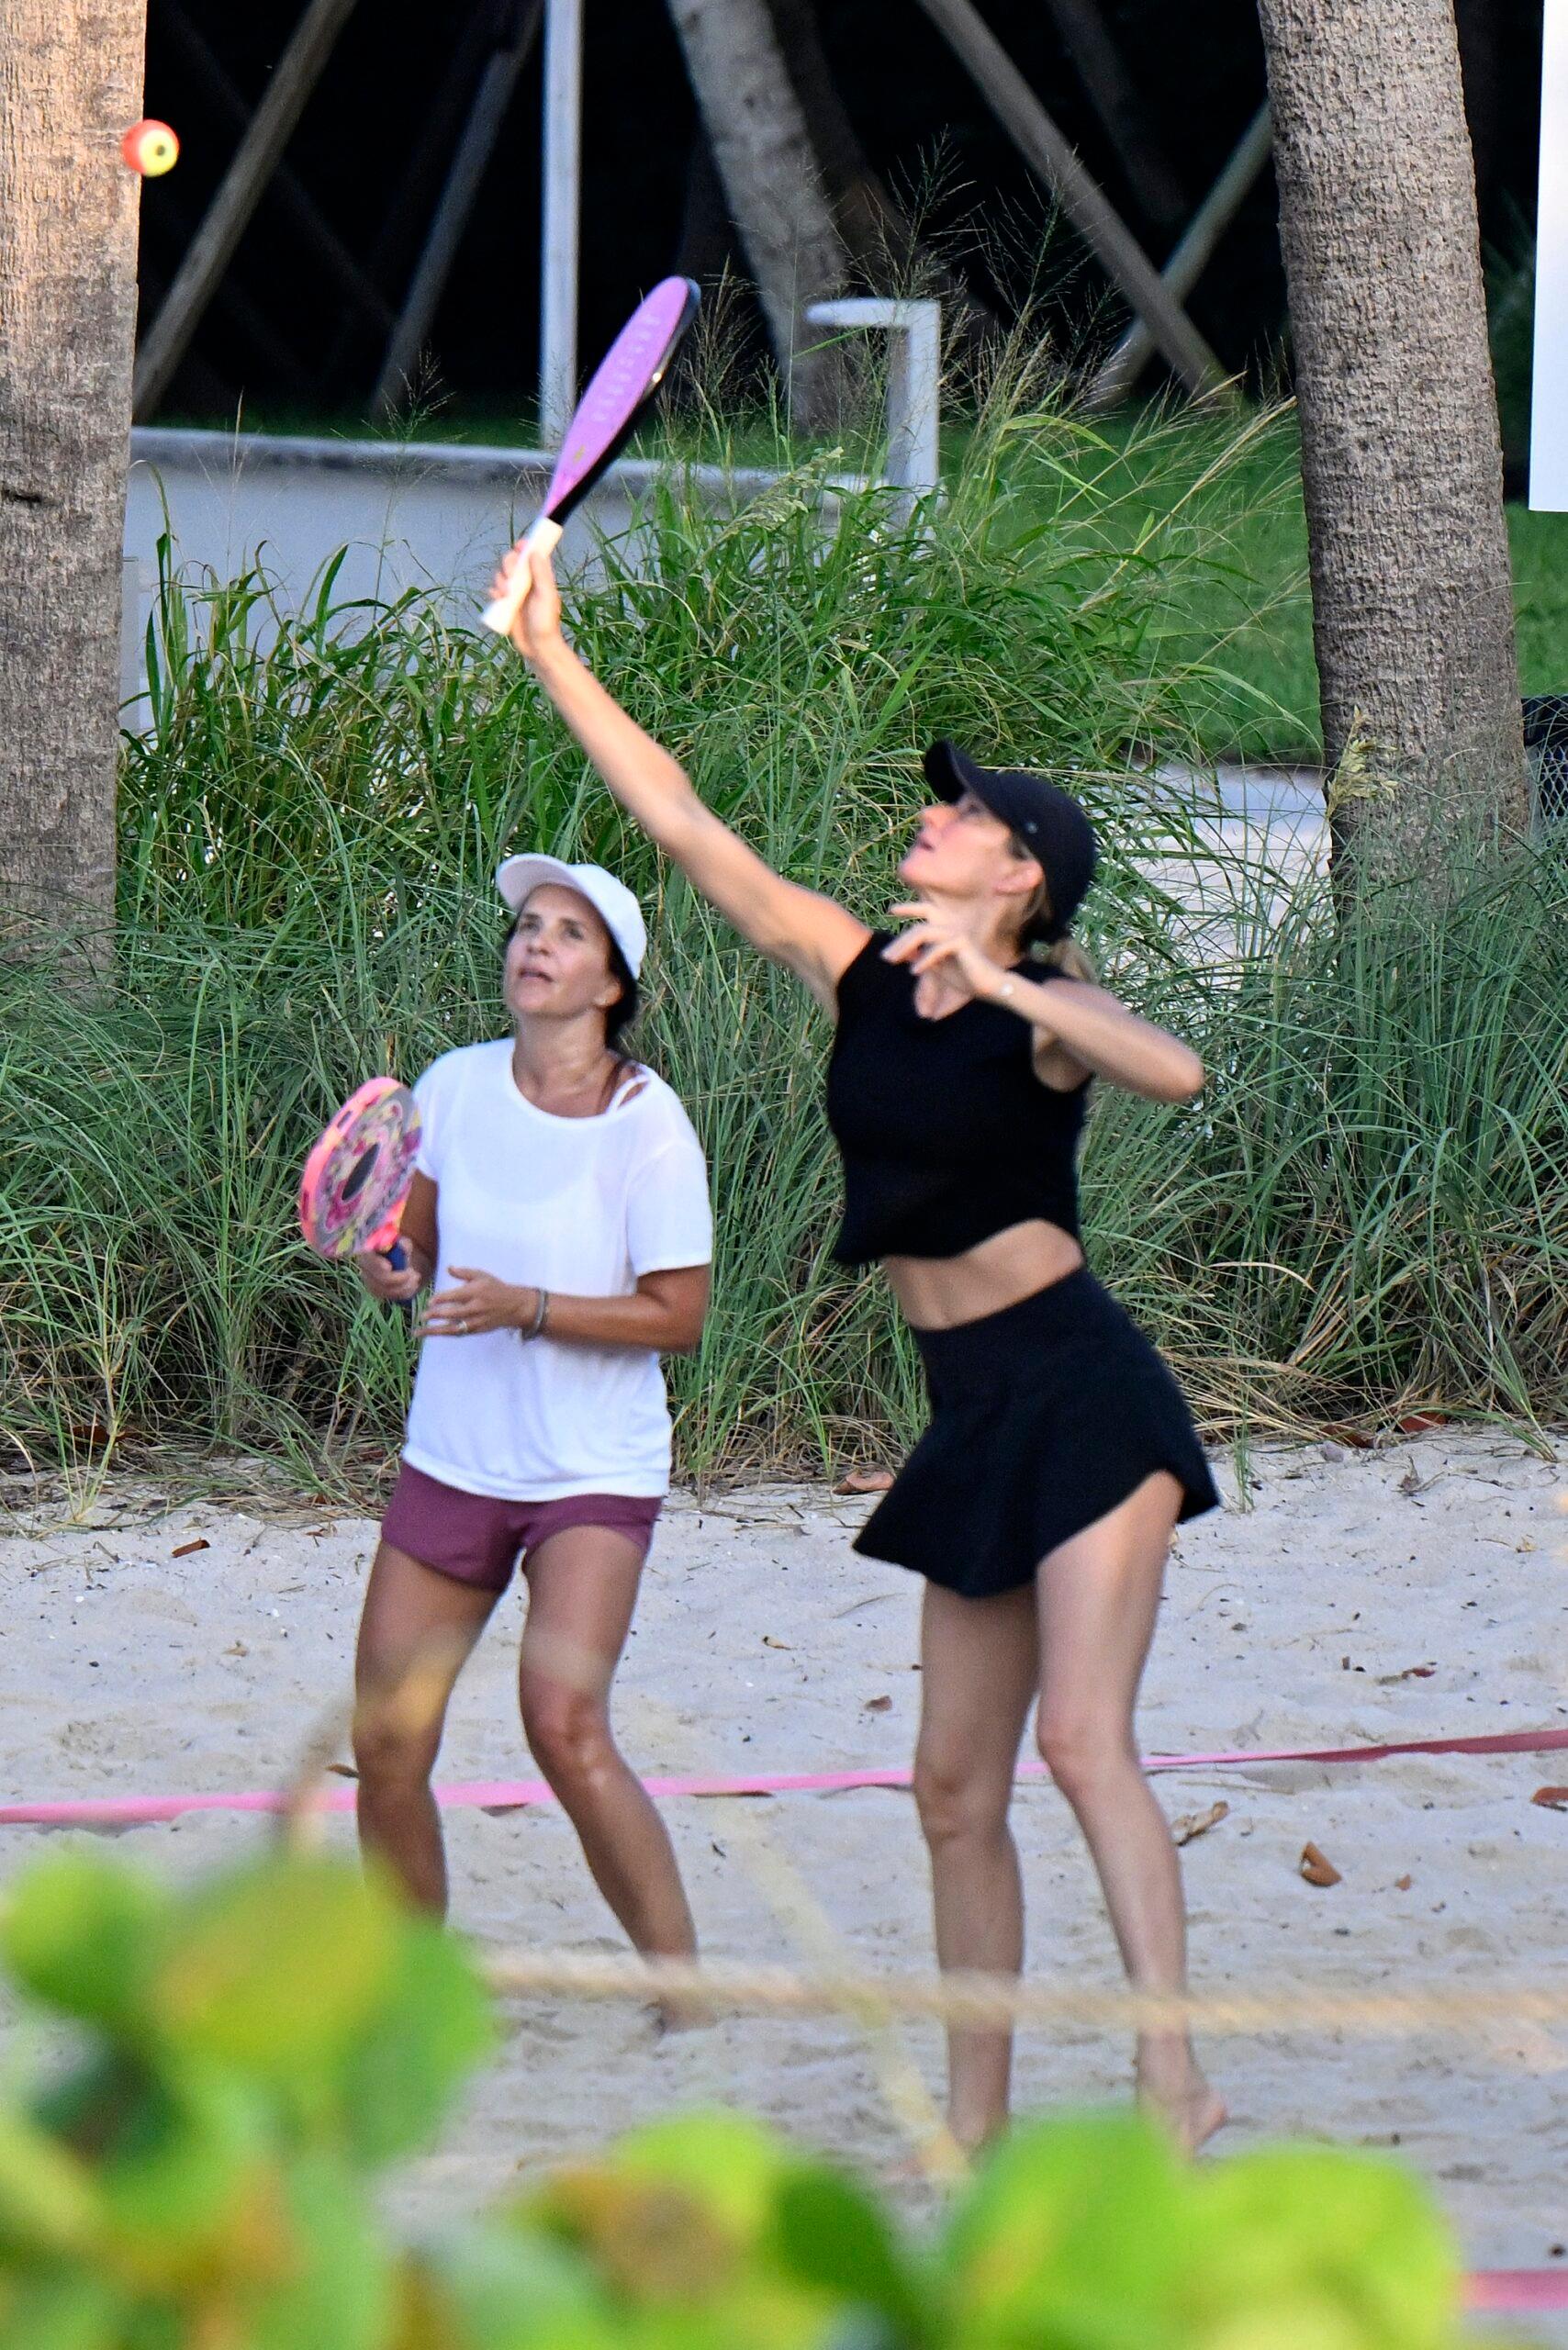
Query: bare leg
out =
(1098, 1598)
(980, 1659)
(582, 1587)
(417, 1631)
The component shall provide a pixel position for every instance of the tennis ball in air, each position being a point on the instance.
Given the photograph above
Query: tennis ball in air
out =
(150, 148)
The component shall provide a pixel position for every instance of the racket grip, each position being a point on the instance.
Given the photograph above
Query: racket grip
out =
(398, 1257)
(500, 612)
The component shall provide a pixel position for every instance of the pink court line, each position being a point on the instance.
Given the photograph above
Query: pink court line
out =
(1518, 2292)
(517, 1794)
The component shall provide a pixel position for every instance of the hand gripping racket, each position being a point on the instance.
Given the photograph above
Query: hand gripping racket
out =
(605, 417)
(358, 1176)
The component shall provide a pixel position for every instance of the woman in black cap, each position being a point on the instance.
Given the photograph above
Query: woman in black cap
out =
(1039, 1503)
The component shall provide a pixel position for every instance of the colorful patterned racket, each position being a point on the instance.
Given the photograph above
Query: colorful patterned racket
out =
(629, 374)
(357, 1178)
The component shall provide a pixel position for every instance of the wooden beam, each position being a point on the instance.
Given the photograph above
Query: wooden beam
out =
(1109, 89)
(497, 85)
(286, 190)
(1049, 153)
(294, 78)
(394, 249)
(1191, 258)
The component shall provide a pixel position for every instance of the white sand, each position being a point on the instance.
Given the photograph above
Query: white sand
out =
(760, 1642)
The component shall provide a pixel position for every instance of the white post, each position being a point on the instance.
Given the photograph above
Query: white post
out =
(914, 385)
(1549, 405)
(558, 257)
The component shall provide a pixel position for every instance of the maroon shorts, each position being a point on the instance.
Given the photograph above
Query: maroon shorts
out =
(476, 1540)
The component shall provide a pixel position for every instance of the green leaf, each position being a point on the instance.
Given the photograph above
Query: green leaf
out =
(830, 2234)
(82, 1933)
(64, 2309)
(507, 2287)
(1074, 2231)
(47, 2200)
(726, 2162)
(186, 2153)
(430, 2028)
(338, 2295)
(278, 1969)
(1346, 2240)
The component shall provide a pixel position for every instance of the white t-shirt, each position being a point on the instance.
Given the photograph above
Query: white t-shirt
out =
(584, 1206)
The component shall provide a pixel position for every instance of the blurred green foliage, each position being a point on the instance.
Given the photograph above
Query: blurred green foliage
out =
(200, 2175)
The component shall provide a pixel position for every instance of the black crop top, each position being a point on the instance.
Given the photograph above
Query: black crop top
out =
(947, 1135)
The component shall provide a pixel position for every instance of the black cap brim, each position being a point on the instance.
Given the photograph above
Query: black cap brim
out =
(951, 772)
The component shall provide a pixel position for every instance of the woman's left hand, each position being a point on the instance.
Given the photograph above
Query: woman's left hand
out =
(936, 936)
(476, 1302)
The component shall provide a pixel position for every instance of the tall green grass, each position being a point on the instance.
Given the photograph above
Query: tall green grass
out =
(1367, 1208)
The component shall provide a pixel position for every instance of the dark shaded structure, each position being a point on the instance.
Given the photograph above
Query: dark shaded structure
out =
(301, 320)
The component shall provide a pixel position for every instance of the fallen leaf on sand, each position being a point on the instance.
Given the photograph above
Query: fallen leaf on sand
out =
(1421, 1422)
(1357, 1439)
(1198, 1823)
(1552, 1798)
(1411, 1673)
(1403, 1883)
(184, 1550)
(343, 1770)
(1315, 1868)
(1411, 1482)
(769, 1643)
(864, 1481)
(878, 1705)
(239, 1648)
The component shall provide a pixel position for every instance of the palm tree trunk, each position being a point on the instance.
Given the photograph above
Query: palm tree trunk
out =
(1412, 596)
(773, 183)
(70, 83)
(887, 250)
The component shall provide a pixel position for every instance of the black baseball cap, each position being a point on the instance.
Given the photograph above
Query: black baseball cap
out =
(1049, 821)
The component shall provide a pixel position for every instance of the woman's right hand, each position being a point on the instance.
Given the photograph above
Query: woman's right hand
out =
(384, 1282)
(537, 627)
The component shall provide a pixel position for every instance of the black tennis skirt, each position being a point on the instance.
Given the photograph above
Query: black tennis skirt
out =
(1043, 1417)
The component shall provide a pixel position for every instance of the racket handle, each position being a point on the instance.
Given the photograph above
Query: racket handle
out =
(398, 1257)
(504, 609)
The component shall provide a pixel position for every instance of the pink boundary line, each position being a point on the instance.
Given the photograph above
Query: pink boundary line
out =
(515, 1795)
(1517, 2292)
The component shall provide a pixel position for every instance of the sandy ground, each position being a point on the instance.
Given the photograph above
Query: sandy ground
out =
(764, 1643)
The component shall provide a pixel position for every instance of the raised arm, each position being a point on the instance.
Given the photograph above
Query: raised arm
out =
(812, 935)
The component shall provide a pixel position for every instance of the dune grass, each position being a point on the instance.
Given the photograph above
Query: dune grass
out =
(1366, 1211)
(1242, 614)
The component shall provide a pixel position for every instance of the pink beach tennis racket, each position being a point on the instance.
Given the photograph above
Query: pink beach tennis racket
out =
(603, 421)
(358, 1176)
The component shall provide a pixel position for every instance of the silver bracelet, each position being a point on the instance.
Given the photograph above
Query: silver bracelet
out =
(541, 1316)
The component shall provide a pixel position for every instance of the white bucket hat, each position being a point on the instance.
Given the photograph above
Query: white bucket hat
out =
(519, 877)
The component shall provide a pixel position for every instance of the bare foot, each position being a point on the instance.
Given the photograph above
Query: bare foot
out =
(1177, 2094)
(939, 2163)
(671, 2015)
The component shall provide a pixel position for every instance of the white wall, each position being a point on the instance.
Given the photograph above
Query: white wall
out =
(414, 514)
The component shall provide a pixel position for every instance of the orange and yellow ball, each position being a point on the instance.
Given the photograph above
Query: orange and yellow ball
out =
(150, 148)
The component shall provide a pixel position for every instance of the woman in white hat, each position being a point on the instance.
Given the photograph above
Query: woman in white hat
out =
(560, 1215)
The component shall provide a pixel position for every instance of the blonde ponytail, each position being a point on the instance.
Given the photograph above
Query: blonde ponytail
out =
(1064, 955)
(1068, 958)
